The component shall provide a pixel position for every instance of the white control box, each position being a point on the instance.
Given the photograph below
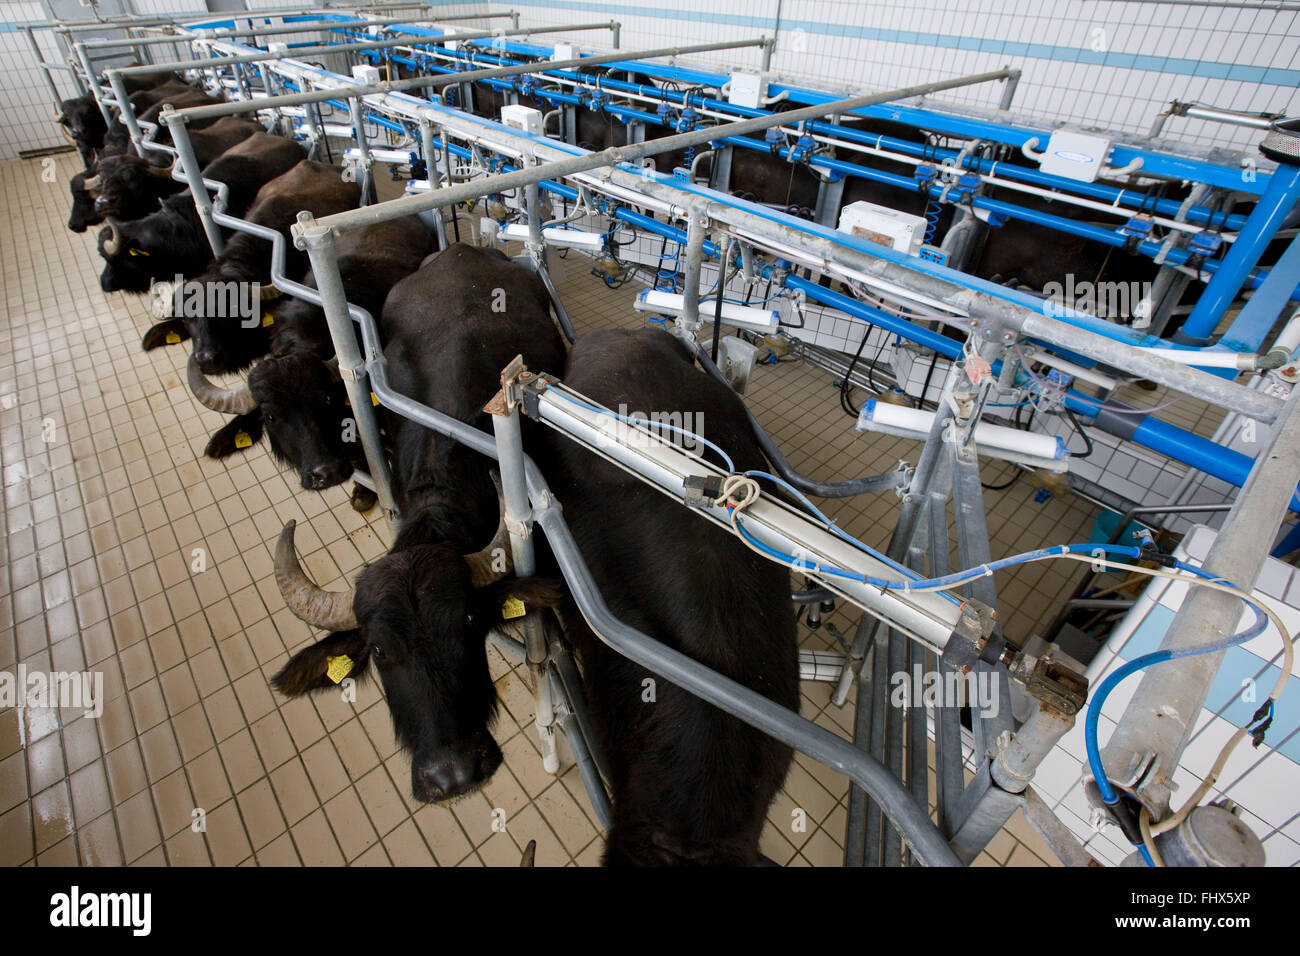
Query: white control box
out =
(523, 118)
(747, 90)
(566, 51)
(900, 231)
(365, 74)
(1075, 154)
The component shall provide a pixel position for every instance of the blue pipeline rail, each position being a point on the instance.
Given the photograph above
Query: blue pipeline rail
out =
(1119, 333)
(1171, 441)
(1278, 194)
(1137, 201)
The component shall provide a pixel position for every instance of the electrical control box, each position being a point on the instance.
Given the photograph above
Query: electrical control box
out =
(747, 90)
(523, 118)
(884, 226)
(1075, 154)
(566, 51)
(365, 74)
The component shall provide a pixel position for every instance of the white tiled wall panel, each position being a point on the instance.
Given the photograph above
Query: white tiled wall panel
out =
(1109, 64)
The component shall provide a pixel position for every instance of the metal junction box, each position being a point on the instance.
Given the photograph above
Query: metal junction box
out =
(747, 90)
(1075, 154)
(523, 118)
(884, 226)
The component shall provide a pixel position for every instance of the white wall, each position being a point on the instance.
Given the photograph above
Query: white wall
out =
(1115, 64)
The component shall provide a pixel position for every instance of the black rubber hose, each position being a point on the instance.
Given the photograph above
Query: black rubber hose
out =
(822, 489)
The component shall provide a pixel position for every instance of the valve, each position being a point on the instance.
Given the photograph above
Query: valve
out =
(803, 149)
(1135, 231)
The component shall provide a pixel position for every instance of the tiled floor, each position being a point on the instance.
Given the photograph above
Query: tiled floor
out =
(130, 554)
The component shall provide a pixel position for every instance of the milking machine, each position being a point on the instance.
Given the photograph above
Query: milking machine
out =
(911, 615)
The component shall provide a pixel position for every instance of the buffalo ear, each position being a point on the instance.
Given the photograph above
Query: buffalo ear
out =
(157, 334)
(310, 670)
(501, 599)
(226, 440)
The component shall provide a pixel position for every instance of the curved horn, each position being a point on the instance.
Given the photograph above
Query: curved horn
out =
(268, 291)
(94, 182)
(162, 172)
(58, 116)
(481, 571)
(114, 243)
(320, 608)
(230, 401)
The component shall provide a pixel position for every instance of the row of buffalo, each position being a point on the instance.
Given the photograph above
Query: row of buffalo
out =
(690, 784)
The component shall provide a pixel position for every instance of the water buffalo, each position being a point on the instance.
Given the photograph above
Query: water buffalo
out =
(417, 612)
(83, 122)
(690, 784)
(296, 395)
(130, 187)
(171, 241)
(227, 339)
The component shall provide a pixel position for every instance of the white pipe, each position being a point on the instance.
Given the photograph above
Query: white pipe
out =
(733, 313)
(1204, 358)
(987, 436)
(1078, 371)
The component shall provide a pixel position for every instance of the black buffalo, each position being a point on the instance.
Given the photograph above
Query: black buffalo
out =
(130, 187)
(171, 241)
(296, 395)
(690, 784)
(417, 611)
(83, 122)
(227, 342)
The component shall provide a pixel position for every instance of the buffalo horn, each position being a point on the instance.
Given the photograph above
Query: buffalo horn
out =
(229, 401)
(331, 610)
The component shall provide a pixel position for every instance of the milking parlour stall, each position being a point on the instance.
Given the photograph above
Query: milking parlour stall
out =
(800, 434)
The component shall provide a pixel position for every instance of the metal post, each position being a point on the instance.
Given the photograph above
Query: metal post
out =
(616, 30)
(1148, 741)
(125, 112)
(93, 84)
(518, 521)
(533, 204)
(1009, 88)
(194, 176)
(44, 67)
(768, 47)
(319, 242)
(363, 146)
(689, 321)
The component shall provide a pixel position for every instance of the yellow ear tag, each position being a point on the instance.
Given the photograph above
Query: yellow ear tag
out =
(267, 320)
(172, 338)
(513, 608)
(242, 440)
(374, 399)
(339, 667)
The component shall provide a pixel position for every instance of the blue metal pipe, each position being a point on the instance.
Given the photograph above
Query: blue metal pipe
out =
(1257, 318)
(1278, 200)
